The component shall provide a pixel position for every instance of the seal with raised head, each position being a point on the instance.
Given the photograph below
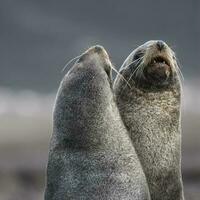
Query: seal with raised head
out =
(149, 105)
(91, 155)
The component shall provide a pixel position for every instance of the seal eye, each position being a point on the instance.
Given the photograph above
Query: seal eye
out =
(138, 55)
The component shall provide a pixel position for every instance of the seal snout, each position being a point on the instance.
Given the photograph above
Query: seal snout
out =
(97, 57)
(100, 50)
(158, 61)
(97, 49)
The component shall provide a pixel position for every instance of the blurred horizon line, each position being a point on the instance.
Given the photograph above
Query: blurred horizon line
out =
(18, 102)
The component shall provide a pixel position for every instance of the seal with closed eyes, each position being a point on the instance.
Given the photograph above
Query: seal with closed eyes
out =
(91, 155)
(150, 108)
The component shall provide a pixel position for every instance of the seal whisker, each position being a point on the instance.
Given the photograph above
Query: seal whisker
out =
(139, 73)
(179, 70)
(69, 62)
(138, 60)
(135, 71)
(115, 70)
(137, 68)
(135, 61)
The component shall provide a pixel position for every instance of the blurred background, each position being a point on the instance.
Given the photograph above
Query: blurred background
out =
(37, 38)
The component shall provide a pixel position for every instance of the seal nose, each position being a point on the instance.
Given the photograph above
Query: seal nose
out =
(160, 45)
(98, 49)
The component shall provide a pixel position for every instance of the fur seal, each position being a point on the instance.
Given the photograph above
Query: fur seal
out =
(91, 155)
(150, 108)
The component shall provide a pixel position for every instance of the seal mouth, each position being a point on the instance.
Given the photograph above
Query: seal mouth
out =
(160, 60)
(158, 70)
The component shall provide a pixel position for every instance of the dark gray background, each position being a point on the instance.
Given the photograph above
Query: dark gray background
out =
(37, 37)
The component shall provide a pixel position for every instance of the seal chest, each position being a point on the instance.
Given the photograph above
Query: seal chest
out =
(91, 155)
(150, 109)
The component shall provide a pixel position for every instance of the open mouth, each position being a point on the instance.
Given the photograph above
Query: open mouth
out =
(159, 70)
(160, 60)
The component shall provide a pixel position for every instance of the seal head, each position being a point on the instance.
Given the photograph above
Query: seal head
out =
(151, 65)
